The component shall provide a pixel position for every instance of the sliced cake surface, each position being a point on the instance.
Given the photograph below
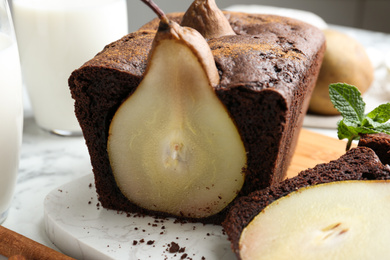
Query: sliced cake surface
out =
(359, 163)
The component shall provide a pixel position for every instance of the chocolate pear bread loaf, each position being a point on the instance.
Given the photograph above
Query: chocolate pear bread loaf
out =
(267, 74)
(380, 143)
(359, 163)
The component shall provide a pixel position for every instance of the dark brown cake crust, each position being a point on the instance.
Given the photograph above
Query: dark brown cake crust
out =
(357, 164)
(380, 143)
(280, 60)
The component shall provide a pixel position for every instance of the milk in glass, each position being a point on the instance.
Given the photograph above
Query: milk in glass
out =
(11, 120)
(56, 37)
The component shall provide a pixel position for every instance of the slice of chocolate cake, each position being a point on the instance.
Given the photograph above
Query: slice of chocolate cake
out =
(359, 163)
(267, 74)
(380, 143)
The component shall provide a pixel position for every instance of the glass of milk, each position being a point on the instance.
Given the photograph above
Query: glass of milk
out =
(56, 37)
(11, 109)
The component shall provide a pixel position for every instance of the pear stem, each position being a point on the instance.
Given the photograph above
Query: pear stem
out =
(161, 15)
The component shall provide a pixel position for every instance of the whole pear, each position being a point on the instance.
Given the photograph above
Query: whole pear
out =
(345, 61)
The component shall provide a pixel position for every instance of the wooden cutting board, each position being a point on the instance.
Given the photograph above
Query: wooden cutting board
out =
(312, 149)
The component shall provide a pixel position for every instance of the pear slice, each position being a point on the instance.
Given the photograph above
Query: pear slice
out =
(340, 220)
(172, 145)
(205, 17)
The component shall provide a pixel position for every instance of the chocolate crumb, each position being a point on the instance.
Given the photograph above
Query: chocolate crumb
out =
(150, 242)
(174, 248)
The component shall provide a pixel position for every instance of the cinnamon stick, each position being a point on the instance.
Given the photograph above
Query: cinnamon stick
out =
(14, 244)
(17, 257)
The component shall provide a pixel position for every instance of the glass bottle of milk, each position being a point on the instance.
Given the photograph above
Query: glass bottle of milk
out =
(56, 37)
(11, 110)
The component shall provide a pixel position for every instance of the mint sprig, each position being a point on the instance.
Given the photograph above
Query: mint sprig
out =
(348, 100)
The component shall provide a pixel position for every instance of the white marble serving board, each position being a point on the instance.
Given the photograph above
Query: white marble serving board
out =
(82, 229)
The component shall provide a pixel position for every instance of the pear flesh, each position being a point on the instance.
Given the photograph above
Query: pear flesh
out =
(340, 220)
(172, 146)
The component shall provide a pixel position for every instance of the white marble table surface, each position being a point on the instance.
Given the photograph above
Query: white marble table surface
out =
(49, 161)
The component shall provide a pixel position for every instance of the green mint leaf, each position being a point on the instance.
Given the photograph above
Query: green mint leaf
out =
(346, 131)
(365, 130)
(343, 131)
(384, 128)
(370, 123)
(380, 114)
(348, 101)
